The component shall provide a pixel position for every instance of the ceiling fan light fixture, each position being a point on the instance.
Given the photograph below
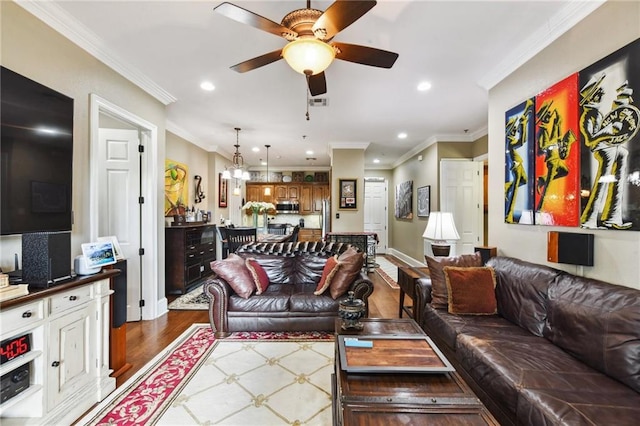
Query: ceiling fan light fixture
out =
(308, 54)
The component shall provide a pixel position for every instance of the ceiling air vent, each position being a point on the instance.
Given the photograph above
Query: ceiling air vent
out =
(318, 102)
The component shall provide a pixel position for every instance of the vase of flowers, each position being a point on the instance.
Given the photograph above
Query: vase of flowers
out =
(258, 207)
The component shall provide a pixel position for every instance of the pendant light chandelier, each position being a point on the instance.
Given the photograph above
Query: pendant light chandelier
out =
(267, 189)
(236, 171)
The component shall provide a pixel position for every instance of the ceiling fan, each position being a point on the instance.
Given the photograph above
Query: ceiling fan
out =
(310, 32)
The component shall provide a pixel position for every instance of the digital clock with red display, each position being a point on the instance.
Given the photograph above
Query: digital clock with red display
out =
(14, 347)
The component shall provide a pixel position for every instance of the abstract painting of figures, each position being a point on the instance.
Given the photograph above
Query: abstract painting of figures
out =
(609, 120)
(518, 172)
(557, 164)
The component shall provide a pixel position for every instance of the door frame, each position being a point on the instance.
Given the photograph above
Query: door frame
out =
(149, 227)
(386, 203)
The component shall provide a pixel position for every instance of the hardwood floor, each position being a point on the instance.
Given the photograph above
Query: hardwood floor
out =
(145, 339)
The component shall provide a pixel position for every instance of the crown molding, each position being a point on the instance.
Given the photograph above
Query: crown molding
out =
(172, 127)
(349, 145)
(558, 24)
(466, 137)
(64, 23)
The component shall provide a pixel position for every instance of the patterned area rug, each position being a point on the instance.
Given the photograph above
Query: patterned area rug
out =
(194, 300)
(388, 270)
(245, 379)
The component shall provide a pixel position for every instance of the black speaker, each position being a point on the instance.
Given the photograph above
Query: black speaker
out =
(46, 258)
(119, 296)
(570, 247)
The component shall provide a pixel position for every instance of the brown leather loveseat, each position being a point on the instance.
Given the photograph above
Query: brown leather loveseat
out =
(288, 303)
(562, 349)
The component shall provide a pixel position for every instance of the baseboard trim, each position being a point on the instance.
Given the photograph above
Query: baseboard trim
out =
(405, 258)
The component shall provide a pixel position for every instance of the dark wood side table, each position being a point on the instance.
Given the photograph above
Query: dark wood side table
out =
(407, 277)
(380, 399)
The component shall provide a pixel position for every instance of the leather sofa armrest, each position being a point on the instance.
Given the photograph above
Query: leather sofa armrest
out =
(218, 291)
(362, 288)
(423, 297)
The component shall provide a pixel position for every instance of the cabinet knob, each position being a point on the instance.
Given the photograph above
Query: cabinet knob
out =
(26, 314)
(73, 298)
(55, 364)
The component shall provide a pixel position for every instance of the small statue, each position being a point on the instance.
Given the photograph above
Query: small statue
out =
(350, 311)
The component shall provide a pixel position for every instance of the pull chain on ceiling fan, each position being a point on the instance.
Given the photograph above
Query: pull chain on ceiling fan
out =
(310, 32)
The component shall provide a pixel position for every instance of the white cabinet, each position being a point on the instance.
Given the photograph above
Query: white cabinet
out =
(69, 358)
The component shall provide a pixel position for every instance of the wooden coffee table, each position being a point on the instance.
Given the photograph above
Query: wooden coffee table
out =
(402, 398)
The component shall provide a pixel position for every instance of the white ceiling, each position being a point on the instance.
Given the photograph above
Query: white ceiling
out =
(461, 48)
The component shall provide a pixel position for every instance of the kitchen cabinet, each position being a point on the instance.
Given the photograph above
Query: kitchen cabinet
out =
(284, 192)
(255, 192)
(67, 330)
(189, 251)
(310, 234)
(308, 195)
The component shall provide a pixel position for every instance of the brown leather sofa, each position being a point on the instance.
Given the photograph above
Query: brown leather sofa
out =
(562, 349)
(289, 302)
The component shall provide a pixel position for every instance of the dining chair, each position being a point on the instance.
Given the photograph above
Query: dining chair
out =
(222, 234)
(294, 234)
(237, 237)
(277, 228)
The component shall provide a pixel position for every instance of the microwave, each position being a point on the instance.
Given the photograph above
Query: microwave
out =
(287, 207)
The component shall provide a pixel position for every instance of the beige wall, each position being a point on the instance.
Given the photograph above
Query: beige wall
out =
(405, 235)
(36, 51)
(610, 27)
(347, 164)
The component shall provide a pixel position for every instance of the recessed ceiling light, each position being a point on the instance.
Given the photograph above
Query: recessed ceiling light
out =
(375, 160)
(208, 86)
(424, 86)
(309, 152)
(402, 135)
(255, 149)
(264, 163)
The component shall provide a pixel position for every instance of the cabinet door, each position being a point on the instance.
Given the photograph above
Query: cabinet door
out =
(293, 192)
(254, 192)
(281, 193)
(319, 194)
(306, 199)
(71, 361)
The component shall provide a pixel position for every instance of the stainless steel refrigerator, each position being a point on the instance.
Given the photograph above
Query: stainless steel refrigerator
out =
(325, 220)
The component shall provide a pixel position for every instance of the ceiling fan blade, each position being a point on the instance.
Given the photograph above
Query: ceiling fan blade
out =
(339, 16)
(247, 17)
(317, 84)
(258, 61)
(365, 55)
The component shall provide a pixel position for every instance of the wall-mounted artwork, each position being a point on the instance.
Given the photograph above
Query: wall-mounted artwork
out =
(557, 164)
(586, 148)
(348, 194)
(176, 192)
(518, 166)
(404, 200)
(424, 201)
(223, 191)
(609, 120)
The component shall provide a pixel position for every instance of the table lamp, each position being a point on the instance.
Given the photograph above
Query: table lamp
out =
(440, 229)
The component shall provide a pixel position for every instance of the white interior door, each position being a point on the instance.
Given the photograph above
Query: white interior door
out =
(119, 183)
(461, 192)
(375, 211)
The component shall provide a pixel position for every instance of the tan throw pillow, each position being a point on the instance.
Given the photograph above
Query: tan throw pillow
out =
(328, 272)
(235, 273)
(439, 295)
(471, 290)
(259, 275)
(351, 262)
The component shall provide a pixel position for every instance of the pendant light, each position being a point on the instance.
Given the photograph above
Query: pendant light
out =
(267, 189)
(237, 167)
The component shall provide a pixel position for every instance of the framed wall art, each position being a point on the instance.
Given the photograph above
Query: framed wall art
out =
(424, 201)
(223, 191)
(404, 200)
(348, 194)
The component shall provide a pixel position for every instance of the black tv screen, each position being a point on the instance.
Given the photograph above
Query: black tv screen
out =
(36, 156)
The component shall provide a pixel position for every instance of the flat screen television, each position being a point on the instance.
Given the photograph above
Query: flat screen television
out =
(36, 156)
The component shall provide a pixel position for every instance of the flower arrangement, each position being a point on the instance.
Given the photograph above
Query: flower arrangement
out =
(256, 207)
